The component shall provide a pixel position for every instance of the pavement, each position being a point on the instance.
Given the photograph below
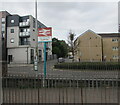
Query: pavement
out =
(19, 65)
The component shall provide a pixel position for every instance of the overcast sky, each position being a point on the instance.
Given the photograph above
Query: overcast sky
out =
(101, 17)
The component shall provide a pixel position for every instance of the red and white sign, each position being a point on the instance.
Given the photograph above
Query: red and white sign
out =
(44, 34)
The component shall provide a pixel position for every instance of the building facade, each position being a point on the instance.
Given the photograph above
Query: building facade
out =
(22, 39)
(110, 46)
(3, 36)
(88, 47)
(97, 47)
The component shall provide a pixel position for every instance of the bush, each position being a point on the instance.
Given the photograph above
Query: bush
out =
(89, 66)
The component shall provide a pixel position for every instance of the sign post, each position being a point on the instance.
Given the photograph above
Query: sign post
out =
(44, 59)
(44, 36)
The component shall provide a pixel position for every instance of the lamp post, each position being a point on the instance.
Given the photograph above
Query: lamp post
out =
(36, 56)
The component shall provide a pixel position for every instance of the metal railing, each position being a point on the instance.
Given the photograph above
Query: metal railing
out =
(86, 84)
(25, 89)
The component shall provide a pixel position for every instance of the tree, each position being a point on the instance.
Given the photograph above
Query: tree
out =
(71, 39)
(59, 47)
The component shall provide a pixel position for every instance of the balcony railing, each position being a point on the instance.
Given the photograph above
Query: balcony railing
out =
(24, 43)
(24, 34)
(24, 24)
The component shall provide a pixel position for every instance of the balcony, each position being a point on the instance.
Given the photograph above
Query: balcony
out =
(24, 24)
(24, 34)
(24, 43)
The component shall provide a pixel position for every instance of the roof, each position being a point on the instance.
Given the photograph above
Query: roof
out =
(109, 34)
(86, 32)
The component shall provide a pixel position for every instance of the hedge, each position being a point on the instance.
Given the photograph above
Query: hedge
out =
(89, 65)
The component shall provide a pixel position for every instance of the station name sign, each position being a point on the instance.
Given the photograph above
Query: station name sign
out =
(44, 34)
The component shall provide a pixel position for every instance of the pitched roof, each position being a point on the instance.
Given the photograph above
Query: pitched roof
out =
(109, 34)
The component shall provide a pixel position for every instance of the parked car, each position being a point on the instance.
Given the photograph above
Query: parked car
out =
(61, 60)
(70, 57)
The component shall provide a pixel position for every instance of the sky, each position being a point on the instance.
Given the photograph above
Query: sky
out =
(100, 16)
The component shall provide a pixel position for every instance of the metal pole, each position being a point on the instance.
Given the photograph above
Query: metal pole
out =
(36, 30)
(44, 59)
(36, 34)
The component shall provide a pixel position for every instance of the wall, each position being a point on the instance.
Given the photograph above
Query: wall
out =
(14, 35)
(48, 50)
(33, 34)
(3, 51)
(88, 47)
(0, 68)
(107, 48)
(20, 54)
(0, 62)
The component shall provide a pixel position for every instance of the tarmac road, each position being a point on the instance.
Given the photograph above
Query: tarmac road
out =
(85, 74)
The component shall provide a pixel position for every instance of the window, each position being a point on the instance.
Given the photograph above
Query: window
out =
(114, 40)
(28, 30)
(3, 27)
(3, 35)
(115, 48)
(12, 30)
(3, 19)
(28, 20)
(24, 30)
(12, 21)
(12, 40)
(115, 57)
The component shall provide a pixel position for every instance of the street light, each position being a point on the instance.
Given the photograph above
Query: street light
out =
(36, 56)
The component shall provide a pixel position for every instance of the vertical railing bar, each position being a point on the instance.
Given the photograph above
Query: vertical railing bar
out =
(15, 81)
(59, 88)
(38, 88)
(105, 90)
(66, 90)
(55, 90)
(45, 90)
(3, 88)
(48, 89)
(109, 88)
(63, 90)
(10, 88)
(74, 88)
(19, 88)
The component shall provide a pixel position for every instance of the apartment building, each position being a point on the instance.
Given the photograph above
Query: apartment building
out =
(110, 43)
(91, 46)
(22, 39)
(88, 47)
(3, 40)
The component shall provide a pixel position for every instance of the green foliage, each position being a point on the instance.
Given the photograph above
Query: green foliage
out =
(88, 66)
(59, 47)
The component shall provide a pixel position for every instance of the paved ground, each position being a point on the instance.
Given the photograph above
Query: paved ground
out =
(29, 69)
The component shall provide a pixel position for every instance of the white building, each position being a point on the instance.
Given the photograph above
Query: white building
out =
(22, 39)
